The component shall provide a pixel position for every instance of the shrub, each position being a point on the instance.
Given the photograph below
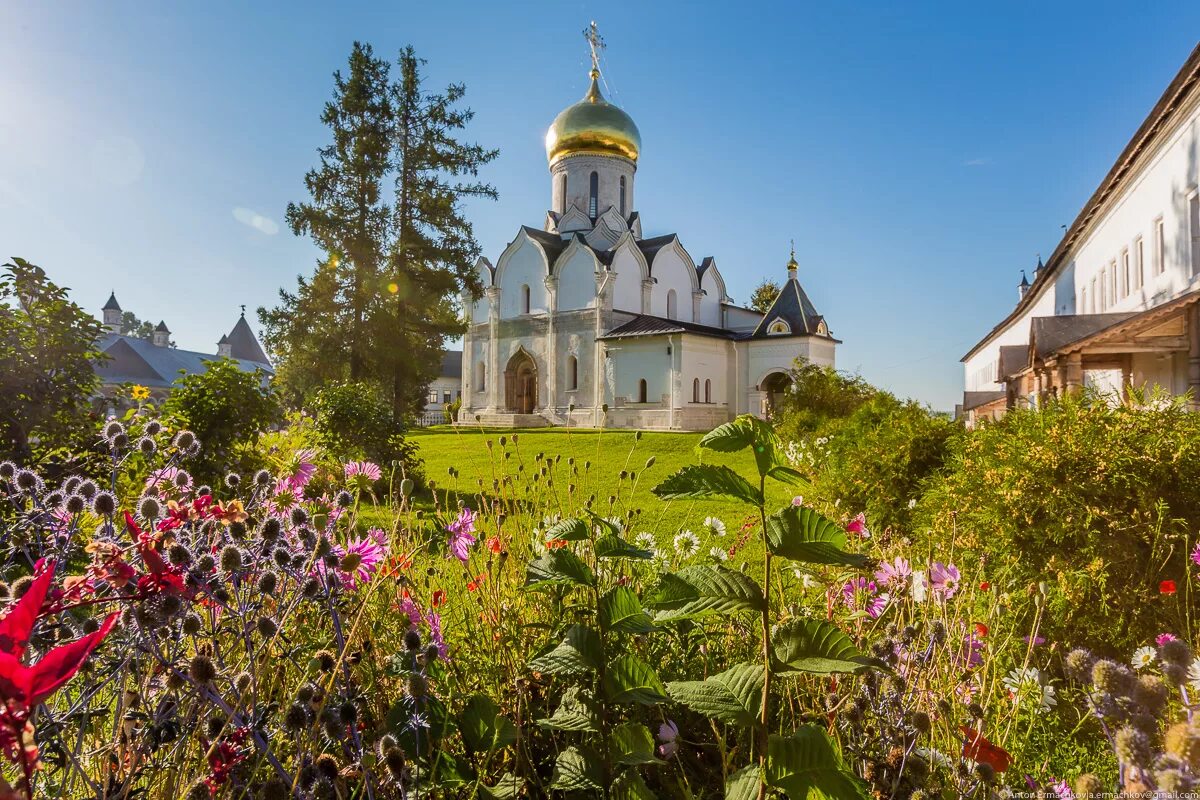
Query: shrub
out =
(354, 420)
(818, 395)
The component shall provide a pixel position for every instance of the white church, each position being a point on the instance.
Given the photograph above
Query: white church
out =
(585, 322)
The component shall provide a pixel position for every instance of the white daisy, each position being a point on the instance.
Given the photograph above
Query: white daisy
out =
(715, 525)
(687, 544)
(1194, 674)
(646, 541)
(1143, 658)
(1029, 685)
(719, 553)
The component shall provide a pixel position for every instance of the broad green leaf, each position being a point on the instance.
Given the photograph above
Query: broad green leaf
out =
(580, 651)
(703, 589)
(745, 431)
(633, 744)
(620, 612)
(557, 567)
(570, 530)
(785, 474)
(578, 769)
(611, 528)
(806, 765)
(630, 786)
(802, 534)
(818, 647)
(446, 770)
(507, 788)
(743, 784)
(576, 712)
(484, 729)
(734, 696)
(708, 480)
(616, 547)
(628, 679)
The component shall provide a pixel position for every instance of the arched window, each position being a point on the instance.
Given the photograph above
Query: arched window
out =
(707, 390)
(642, 390)
(778, 327)
(562, 193)
(672, 313)
(593, 194)
(525, 298)
(480, 375)
(572, 372)
(622, 195)
(695, 390)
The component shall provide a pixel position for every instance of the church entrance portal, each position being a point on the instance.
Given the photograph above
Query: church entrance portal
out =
(774, 386)
(520, 384)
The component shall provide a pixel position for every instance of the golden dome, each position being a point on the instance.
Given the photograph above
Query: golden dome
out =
(593, 125)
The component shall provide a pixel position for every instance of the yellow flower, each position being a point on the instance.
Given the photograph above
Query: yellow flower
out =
(139, 392)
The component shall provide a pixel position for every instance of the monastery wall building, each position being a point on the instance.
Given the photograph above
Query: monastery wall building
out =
(1115, 306)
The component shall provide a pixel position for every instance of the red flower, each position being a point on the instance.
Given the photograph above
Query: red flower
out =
(439, 597)
(556, 544)
(981, 751)
(984, 586)
(981, 630)
(1166, 587)
(494, 544)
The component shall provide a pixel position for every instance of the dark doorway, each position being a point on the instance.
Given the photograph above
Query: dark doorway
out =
(520, 384)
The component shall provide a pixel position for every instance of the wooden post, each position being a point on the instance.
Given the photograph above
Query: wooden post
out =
(1074, 373)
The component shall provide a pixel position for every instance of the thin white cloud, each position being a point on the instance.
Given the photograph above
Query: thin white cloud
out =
(978, 162)
(256, 220)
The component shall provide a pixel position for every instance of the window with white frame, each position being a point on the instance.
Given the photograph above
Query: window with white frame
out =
(1194, 230)
(1082, 301)
(432, 398)
(1092, 309)
(1125, 273)
(1139, 263)
(1160, 247)
(1112, 282)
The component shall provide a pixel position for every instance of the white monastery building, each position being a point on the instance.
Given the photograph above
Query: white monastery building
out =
(1117, 304)
(585, 322)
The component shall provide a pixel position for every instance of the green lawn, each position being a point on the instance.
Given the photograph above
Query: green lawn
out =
(600, 458)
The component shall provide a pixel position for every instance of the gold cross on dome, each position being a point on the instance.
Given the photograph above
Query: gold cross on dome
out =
(595, 43)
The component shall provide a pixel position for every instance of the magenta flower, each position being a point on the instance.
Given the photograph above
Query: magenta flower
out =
(1196, 554)
(798, 501)
(972, 651)
(435, 635)
(861, 594)
(361, 557)
(858, 526)
(668, 734)
(303, 469)
(1062, 790)
(169, 477)
(1163, 638)
(943, 580)
(460, 534)
(894, 574)
(362, 472)
(412, 612)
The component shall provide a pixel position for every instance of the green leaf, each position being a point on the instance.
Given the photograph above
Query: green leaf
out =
(628, 679)
(818, 647)
(802, 534)
(745, 431)
(621, 612)
(734, 696)
(570, 530)
(557, 567)
(604, 522)
(703, 589)
(616, 547)
(484, 729)
(576, 712)
(630, 786)
(577, 769)
(785, 474)
(633, 744)
(708, 480)
(806, 765)
(580, 651)
(507, 788)
(743, 784)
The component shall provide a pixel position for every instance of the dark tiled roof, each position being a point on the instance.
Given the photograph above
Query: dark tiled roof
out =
(1050, 334)
(1013, 359)
(162, 327)
(705, 263)
(452, 364)
(244, 345)
(112, 304)
(651, 246)
(646, 325)
(552, 243)
(133, 360)
(793, 307)
(976, 399)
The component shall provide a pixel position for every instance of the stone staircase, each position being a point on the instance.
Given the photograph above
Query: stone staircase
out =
(506, 420)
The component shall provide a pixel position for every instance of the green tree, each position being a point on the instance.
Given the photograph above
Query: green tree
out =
(47, 357)
(354, 420)
(379, 308)
(227, 409)
(820, 394)
(764, 295)
(137, 328)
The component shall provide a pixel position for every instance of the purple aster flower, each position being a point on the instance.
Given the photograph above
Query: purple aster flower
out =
(411, 611)
(460, 534)
(668, 734)
(303, 469)
(859, 593)
(1196, 554)
(362, 471)
(943, 580)
(972, 651)
(435, 634)
(361, 557)
(1062, 790)
(894, 574)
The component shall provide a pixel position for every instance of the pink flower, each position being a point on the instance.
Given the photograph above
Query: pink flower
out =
(362, 471)
(369, 552)
(412, 612)
(858, 526)
(460, 534)
(435, 635)
(304, 468)
(972, 651)
(1035, 641)
(798, 501)
(861, 593)
(1163, 638)
(167, 477)
(668, 734)
(943, 580)
(894, 574)
(1062, 790)
(1196, 554)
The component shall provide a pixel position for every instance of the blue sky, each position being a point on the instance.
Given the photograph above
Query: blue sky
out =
(920, 155)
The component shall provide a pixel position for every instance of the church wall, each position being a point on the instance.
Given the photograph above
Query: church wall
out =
(479, 308)
(710, 304)
(526, 266)
(635, 359)
(577, 281)
(576, 336)
(578, 170)
(706, 359)
(741, 319)
(627, 292)
(672, 271)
